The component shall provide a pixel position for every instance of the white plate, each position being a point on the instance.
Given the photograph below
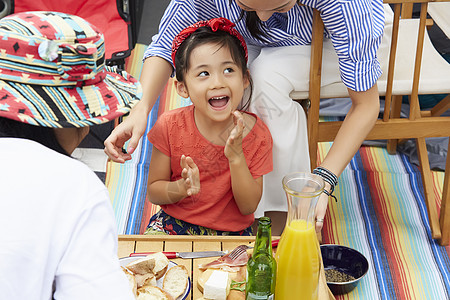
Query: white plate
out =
(126, 260)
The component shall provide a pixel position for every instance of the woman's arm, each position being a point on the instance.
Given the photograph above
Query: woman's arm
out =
(155, 73)
(356, 126)
(356, 29)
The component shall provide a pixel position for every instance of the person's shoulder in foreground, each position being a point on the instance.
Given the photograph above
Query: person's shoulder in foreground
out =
(57, 225)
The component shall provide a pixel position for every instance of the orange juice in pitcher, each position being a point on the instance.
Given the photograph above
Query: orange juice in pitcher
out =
(298, 262)
(298, 259)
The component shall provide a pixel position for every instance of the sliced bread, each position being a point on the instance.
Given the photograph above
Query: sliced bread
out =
(161, 264)
(147, 279)
(143, 265)
(153, 293)
(176, 281)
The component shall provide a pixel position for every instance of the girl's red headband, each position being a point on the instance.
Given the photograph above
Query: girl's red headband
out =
(215, 24)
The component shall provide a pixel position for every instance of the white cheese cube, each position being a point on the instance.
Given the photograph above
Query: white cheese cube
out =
(217, 286)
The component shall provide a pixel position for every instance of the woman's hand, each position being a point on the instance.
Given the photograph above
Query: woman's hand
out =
(132, 128)
(154, 75)
(191, 175)
(321, 209)
(233, 147)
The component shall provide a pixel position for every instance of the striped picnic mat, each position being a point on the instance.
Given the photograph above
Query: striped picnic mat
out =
(381, 212)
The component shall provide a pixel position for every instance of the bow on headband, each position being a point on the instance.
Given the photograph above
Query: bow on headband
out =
(215, 24)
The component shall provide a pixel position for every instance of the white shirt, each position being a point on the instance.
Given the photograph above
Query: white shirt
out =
(56, 226)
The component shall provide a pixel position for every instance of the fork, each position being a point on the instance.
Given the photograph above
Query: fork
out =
(238, 251)
(242, 248)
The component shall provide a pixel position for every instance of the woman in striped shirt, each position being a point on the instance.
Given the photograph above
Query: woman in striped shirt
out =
(276, 32)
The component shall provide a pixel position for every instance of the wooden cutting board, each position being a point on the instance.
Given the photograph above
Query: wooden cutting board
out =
(237, 276)
(324, 291)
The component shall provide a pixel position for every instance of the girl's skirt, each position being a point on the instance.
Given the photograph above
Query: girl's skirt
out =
(162, 223)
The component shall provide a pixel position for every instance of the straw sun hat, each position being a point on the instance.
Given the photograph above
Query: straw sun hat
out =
(53, 73)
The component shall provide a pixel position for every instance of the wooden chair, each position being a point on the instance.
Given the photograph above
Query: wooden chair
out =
(440, 13)
(404, 73)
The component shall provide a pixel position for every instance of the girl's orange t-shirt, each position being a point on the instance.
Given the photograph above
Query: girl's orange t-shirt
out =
(175, 134)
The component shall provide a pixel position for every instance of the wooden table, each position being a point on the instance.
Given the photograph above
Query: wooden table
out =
(184, 243)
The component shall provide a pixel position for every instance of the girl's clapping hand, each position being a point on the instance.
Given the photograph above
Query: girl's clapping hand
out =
(233, 147)
(191, 175)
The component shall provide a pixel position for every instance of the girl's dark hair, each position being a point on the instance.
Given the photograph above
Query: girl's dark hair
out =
(205, 35)
(43, 135)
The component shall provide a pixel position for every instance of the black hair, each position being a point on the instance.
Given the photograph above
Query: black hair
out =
(205, 35)
(43, 135)
(253, 23)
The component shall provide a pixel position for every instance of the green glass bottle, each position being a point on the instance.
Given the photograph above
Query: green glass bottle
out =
(261, 267)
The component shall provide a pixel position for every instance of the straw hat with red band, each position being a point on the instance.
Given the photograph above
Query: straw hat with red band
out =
(53, 73)
(215, 24)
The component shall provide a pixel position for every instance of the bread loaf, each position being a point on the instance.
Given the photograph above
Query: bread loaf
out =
(161, 264)
(176, 281)
(153, 293)
(142, 266)
(144, 280)
(144, 272)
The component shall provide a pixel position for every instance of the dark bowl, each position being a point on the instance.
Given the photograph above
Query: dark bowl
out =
(345, 260)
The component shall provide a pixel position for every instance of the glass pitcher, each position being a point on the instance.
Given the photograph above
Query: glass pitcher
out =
(298, 257)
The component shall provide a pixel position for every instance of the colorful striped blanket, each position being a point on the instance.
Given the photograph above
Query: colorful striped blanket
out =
(381, 212)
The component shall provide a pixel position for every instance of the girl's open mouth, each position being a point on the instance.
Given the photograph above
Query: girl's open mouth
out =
(219, 103)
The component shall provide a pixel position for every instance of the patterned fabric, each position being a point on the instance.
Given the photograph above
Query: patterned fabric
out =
(381, 212)
(355, 28)
(113, 20)
(53, 74)
(127, 183)
(162, 223)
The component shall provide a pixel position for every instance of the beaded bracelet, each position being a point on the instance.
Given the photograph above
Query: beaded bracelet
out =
(329, 177)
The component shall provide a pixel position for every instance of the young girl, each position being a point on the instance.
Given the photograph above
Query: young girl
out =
(208, 158)
(278, 33)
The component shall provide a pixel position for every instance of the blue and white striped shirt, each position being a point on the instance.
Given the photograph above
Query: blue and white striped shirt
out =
(354, 26)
